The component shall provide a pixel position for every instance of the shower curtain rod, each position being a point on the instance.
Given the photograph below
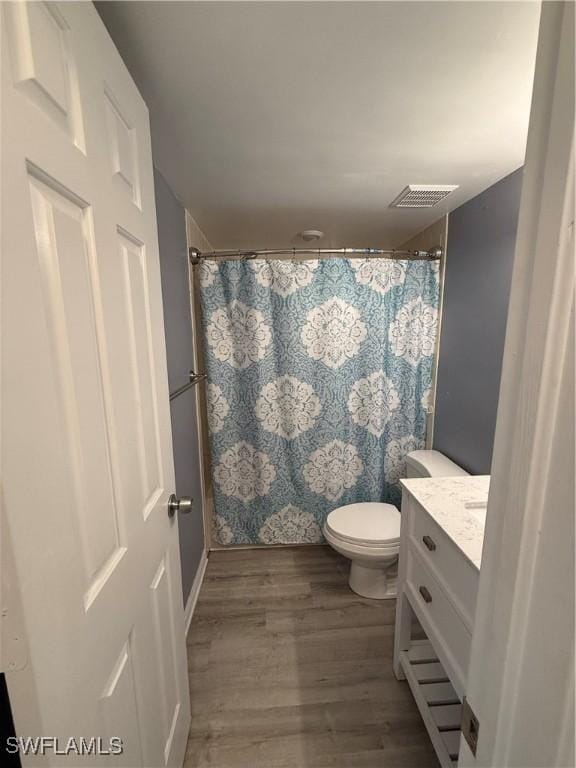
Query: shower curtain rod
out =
(433, 254)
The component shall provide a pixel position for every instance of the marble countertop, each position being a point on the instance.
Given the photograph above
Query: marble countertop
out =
(457, 504)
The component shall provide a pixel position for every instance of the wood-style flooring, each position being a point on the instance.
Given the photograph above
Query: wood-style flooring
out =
(289, 668)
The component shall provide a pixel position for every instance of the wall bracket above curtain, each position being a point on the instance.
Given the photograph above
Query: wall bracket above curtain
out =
(432, 254)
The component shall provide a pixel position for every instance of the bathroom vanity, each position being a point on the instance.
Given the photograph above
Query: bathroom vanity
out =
(442, 533)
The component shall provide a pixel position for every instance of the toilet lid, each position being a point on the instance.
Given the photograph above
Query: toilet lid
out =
(369, 522)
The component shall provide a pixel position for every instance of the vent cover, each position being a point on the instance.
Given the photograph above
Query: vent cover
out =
(422, 195)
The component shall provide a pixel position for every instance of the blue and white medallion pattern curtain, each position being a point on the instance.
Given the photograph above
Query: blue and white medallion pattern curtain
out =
(319, 374)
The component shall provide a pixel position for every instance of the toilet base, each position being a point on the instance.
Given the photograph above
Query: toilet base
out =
(376, 583)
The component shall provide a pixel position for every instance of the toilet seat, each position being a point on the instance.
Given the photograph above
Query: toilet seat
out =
(370, 524)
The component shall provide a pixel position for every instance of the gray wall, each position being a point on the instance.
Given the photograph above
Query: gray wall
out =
(480, 253)
(180, 355)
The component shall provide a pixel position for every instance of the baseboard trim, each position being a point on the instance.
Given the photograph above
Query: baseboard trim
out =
(236, 547)
(195, 591)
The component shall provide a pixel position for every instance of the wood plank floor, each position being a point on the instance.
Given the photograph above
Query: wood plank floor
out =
(290, 669)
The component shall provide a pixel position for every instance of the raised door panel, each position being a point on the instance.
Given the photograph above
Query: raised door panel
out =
(66, 259)
(119, 704)
(131, 362)
(133, 255)
(161, 596)
(43, 66)
(123, 152)
(139, 359)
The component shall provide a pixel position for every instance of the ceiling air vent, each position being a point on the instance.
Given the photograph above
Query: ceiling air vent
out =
(422, 195)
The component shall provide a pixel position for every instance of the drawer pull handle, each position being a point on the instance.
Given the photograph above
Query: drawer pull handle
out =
(429, 543)
(425, 594)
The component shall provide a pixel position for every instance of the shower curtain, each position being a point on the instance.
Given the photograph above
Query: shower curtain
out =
(319, 374)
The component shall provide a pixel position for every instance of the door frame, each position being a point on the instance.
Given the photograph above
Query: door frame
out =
(195, 238)
(528, 498)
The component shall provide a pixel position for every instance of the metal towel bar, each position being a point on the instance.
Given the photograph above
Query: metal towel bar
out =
(194, 379)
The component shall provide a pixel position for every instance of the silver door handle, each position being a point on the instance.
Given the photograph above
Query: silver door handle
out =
(175, 504)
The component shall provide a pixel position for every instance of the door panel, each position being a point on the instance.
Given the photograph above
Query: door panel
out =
(64, 240)
(137, 313)
(161, 598)
(123, 152)
(87, 445)
(118, 703)
(42, 64)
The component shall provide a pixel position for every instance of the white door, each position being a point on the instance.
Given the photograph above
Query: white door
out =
(87, 461)
(521, 674)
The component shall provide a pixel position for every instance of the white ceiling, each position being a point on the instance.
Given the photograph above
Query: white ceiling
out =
(273, 117)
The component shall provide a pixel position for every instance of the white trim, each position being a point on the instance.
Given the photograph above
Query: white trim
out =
(194, 592)
(520, 680)
(206, 516)
(236, 547)
(196, 238)
(431, 416)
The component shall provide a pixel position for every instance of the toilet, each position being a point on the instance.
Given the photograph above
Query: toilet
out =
(368, 533)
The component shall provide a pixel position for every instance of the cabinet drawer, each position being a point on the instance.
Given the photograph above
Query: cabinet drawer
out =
(458, 577)
(444, 627)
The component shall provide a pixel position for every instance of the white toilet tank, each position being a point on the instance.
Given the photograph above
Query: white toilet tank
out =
(431, 464)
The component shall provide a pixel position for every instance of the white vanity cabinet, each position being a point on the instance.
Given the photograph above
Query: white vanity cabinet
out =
(440, 550)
